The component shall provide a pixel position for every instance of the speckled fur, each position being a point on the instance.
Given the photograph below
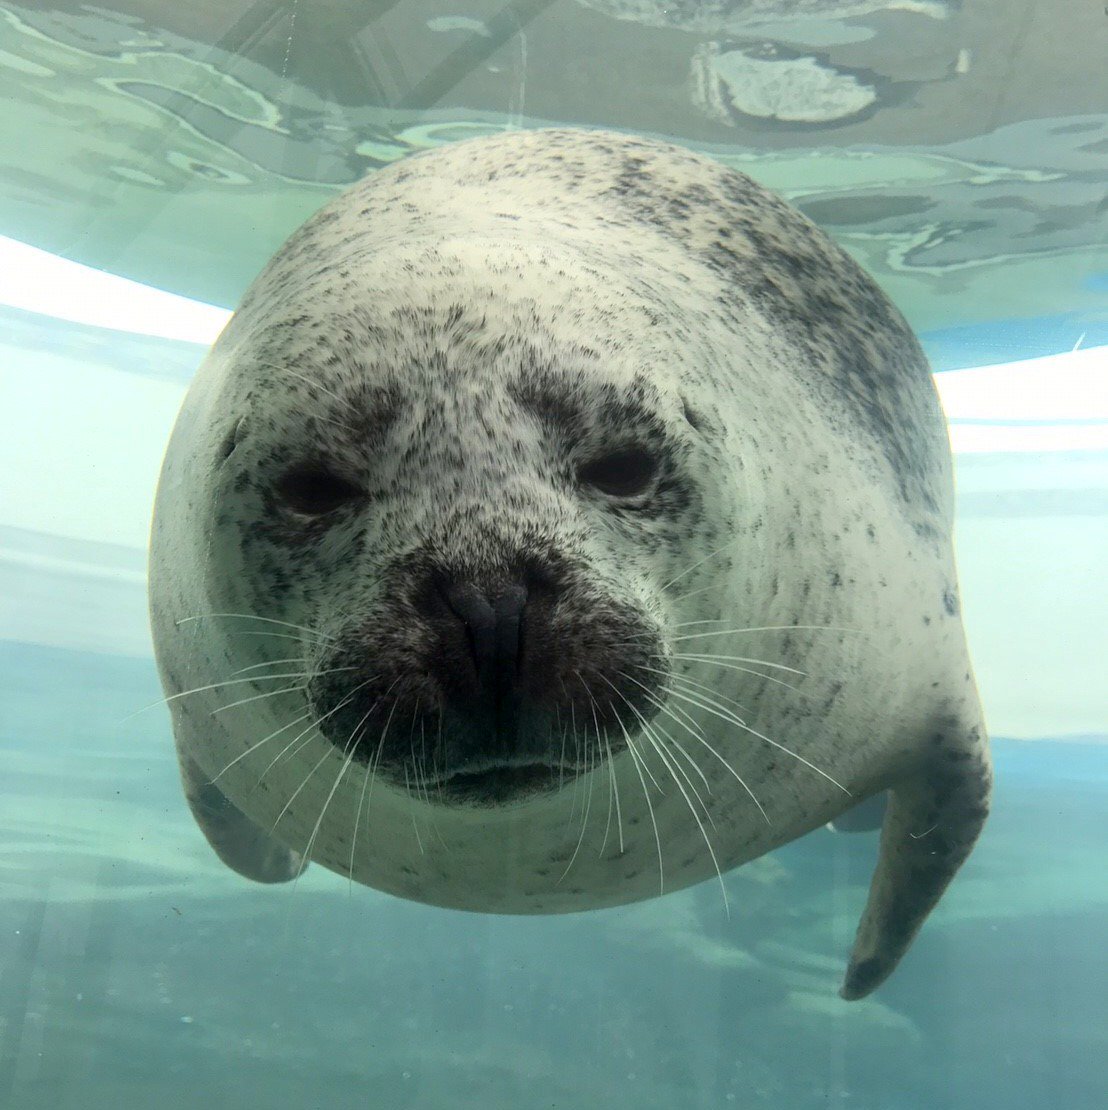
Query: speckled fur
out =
(457, 336)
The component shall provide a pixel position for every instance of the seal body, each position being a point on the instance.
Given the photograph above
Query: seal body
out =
(563, 519)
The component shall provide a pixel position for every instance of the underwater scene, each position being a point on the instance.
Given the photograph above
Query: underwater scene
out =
(153, 157)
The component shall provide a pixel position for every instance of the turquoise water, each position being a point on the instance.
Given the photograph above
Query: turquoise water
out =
(139, 973)
(960, 154)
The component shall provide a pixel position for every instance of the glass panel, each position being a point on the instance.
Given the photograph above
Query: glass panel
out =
(153, 156)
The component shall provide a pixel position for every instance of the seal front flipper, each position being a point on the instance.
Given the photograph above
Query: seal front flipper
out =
(933, 819)
(244, 846)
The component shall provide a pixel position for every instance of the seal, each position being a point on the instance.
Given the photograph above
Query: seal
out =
(560, 520)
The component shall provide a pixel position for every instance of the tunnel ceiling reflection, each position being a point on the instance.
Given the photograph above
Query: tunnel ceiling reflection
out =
(957, 149)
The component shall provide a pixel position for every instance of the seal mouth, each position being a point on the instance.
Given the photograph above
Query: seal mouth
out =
(499, 784)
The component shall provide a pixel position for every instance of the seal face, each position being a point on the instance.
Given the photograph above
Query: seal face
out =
(562, 518)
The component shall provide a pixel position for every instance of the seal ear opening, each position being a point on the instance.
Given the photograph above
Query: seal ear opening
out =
(931, 824)
(231, 440)
(244, 846)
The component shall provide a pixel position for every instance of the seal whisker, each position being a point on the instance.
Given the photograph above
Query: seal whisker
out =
(701, 562)
(738, 778)
(657, 726)
(712, 588)
(337, 423)
(769, 628)
(293, 795)
(407, 782)
(613, 792)
(640, 766)
(361, 798)
(348, 758)
(658, 746)
(367, 777)
(613, 785)
(357, 812)
(727, 715)
(696, 657)
(421, 761)
(584, 819)
(259, 697)
(566, 730)
(314, 633)
(592, 761)
(637, 761)
(581, 753)
(690, 724)
(370, 773)
(656, 736)
(270, 663)
(577, 757)
(650, 775)
(323, 389)
(420, 769)
(692, 727)
(354, 732)
(696, 685)
(711, 657)
(274, 693)
(344, 401)
(645, 725)
(415, 823)
(307, 732)
(440, 751)
(267, 632)
(416, 761)
(213, 686)
(254, 747)
(697, 733)
(648, 732)
(562, 754)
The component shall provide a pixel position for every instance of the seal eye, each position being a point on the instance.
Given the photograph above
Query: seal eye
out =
(621, 473)
(314, 491)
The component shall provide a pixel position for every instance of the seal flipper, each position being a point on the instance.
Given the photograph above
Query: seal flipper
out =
(932, 822)
(244, 846)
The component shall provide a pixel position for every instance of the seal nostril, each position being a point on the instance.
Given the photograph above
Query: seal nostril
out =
(467, 601)
(509, 615)
(493, 630)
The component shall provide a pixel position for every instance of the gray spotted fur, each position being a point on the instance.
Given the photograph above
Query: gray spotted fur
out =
(458, 333)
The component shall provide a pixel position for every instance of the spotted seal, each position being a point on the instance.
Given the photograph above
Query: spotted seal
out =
(561, 519)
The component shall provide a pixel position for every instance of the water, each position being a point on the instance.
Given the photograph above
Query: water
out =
(139, 972)
(135, 970)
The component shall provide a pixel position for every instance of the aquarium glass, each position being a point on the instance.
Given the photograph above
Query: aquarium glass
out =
(153, 155)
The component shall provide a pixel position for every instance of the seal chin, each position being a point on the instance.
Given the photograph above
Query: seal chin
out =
(497, 785)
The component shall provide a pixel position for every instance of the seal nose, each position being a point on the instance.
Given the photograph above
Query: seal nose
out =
(493, 630)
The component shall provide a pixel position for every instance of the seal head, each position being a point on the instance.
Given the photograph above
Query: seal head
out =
(562, 519)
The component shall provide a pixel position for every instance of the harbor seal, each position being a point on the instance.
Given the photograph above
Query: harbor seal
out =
(560, 520)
